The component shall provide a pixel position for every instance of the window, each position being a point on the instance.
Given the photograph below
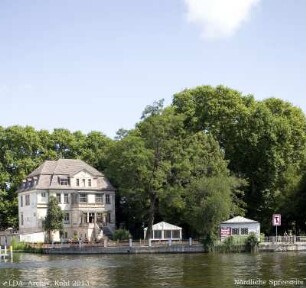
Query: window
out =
(99, 198)
(107, 199)
(235, 231)
(21, 218)
(176, 234)
(89, 182)
(74, 198)
(29, 183)
(27, 200)
(43, 194)
(66, 218)
(83, 198)
(167, 233)
(99, 217)
(157, 234)
(244, 231)
(21, 201)
(66, 198)
(58, 197)
(108, 218)
(83, 180)
(64, 181)
(77, 182)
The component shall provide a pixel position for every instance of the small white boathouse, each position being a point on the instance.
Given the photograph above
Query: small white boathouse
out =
(239, 226)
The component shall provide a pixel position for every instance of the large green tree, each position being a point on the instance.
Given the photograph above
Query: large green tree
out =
(211, 200)
(153, 165)
(19, 154)
(293, 201)
(261, 139)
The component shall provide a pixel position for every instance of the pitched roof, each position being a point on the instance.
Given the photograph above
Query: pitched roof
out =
(239, 219)
(164, 226)
(64, 167)
(47, 176)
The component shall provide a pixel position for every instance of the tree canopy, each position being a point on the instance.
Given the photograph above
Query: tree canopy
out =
(213, 153)
(262, 140)
(154, 165)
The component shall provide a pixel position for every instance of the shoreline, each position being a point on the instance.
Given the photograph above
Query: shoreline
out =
(263, 247)
(282, 247)
(165, 248)
(124, 250)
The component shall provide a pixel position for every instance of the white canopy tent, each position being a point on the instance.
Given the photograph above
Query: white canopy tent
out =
(165, 231)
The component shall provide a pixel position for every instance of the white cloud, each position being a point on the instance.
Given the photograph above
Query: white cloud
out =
(219, 18)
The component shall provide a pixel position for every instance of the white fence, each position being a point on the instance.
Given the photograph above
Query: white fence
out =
(285, 239)
(126, 243)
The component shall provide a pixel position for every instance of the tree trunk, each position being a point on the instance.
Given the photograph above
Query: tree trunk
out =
(49, 236)
(151, 215)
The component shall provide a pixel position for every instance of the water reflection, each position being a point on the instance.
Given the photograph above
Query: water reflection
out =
(167, 270)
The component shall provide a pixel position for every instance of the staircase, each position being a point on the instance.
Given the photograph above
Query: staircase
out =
(98, 233)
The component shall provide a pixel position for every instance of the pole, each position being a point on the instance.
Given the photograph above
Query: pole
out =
(276, 232)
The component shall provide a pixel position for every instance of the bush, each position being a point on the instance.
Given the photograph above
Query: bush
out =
(262, 237)
(229, 244)
(26, 247)
(208, 242)
(19, 245)
(121, 234)
(251, 242)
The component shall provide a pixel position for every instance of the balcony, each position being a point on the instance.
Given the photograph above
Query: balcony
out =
(42, 205)
(88, 205)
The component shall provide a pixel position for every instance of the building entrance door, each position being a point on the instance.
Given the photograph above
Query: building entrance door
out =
(91, 217)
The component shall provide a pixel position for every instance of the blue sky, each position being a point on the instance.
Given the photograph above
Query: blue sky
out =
(95, 64)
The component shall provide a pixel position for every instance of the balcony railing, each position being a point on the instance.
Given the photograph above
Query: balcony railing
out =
(88, 205)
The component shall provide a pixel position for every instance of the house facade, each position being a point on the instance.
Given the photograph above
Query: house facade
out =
(85, 196)
(239, 226)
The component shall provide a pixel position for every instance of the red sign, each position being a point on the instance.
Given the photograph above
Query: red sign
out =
(225, 231)
(277, 220)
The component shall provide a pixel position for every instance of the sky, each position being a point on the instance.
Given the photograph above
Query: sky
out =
(94, 65)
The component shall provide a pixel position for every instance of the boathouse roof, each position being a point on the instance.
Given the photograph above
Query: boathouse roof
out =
(239, 219)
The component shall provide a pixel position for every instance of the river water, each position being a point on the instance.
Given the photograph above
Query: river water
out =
(166, 270)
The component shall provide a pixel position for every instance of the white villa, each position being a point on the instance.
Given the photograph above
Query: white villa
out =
(84, 194)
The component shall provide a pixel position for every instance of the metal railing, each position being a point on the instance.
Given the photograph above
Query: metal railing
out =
(123, 243)
(284, 239)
